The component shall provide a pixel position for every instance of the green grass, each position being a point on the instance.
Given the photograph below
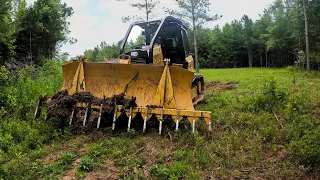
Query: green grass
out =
(267, 127)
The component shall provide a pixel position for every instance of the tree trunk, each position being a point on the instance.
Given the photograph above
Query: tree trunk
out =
(195, 37)
(266, 59)
(261, 58)
(250, 55)
(147, 10)
(307, 33)
(30, 47)
(196, 49)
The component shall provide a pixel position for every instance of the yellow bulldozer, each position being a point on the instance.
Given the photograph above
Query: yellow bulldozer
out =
(155, 67)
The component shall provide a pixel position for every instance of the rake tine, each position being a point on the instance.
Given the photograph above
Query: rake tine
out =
(160, 122)
(72, 114)
(193, 123)
(85, 116)
(177, 120)
(99, 119)
(145, 121)
(37, 110)
(130, 117)
(114, 118)
(210, 127)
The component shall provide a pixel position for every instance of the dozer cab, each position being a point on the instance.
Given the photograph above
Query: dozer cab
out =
(155, 69)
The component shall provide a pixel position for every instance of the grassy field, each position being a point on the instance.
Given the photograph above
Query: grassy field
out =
(265, 126)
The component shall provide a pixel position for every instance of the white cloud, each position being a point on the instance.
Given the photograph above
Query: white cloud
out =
(92, 28)
(235, 9)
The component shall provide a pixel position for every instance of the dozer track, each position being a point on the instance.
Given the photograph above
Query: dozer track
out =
(157, 91)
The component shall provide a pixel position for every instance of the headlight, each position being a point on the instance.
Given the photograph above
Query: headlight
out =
(134, 53)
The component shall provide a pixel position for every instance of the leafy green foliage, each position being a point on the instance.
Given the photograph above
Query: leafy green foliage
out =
(270, 97)
(307, 148)
(19, 91)
(102, 52)
(20, 136)
(66, 159)
(33, 32)
(86, 164)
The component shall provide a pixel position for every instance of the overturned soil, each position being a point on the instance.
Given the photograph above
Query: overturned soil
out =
(216, 86)
(62, 104)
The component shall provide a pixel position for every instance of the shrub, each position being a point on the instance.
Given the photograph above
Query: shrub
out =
(19, 90)
(269, 98)
(97, 150)
(5, 142)
(307, 149)
(65, 161)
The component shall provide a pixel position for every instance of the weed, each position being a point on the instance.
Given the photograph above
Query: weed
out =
(307, 149)
(130, 162)
(38, 153)
(269, 98)
(97, 150)
(80, 175)
(86, 164)
(177, 170)
(66, 159)
(132, 175)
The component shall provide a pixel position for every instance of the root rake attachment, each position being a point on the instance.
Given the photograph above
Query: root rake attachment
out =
(158, 91)
(146, 114)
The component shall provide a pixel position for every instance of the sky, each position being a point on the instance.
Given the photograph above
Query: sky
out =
(95, 21)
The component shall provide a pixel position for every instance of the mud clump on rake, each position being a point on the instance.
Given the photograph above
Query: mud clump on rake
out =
(82, 112)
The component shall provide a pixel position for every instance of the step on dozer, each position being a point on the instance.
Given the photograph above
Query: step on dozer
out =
(152, 80)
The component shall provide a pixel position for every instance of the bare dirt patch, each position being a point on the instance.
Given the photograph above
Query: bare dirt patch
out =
(216, 86)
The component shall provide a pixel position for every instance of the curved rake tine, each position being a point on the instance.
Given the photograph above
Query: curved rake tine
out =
(177, 120)
(160, 122)
(36, 113)
(129, 121)
(210, 127)
(114, 118)
(85, 116)
(72, 114)
(193, 123)
(99, 119)
(145, 121)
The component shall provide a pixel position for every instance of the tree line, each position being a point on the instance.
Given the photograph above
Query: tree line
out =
(29, 34)
(276, 39)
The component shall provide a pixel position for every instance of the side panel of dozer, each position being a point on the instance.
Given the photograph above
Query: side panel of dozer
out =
(142, 81)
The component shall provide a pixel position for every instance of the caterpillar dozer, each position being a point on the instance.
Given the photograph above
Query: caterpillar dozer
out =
(155, 67)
